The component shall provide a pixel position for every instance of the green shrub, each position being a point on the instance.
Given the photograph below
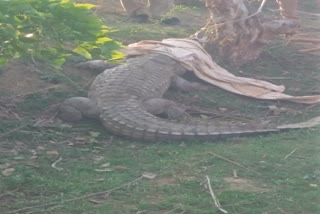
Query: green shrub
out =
(51, 30)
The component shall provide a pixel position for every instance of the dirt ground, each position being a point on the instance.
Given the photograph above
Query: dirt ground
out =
(18, 77)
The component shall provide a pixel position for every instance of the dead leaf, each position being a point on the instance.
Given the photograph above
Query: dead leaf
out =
(94, 134)
(98, 199)
(96, 181)
(182, 144)
(8, 171)
(33, 152)
(97, 159)
(95, 201)
(40, 148)
(274, 110)
(53, 152)
(69, 143)
(18, 158)
(92, 140)
(244, 184)
(103, 170)
(105, 165)
(120, 168)
(203, 116)
(33, 164)
(5, 165)
(149, 175)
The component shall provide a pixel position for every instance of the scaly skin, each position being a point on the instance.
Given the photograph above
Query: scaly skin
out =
(121, 91)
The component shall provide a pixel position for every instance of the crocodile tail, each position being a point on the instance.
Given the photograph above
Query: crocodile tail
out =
(130, 120)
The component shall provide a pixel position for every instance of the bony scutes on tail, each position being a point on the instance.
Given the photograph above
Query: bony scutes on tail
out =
(128, 97)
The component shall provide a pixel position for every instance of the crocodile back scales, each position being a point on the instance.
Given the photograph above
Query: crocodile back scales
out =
(121, 91)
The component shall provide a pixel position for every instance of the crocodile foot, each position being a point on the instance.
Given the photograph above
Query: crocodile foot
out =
(76, 108)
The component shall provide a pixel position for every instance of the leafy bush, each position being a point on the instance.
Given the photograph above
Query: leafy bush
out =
(51, 30)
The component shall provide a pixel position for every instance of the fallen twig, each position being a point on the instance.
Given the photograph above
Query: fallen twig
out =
(312, 14)
(5, 111)
(215, 199)
(310, 50)
(53, 165)
(274, 78)
(7, 193)
(235, 174)
(235, 163)
(171, 211)
(33, 92)
(312, 40)
(288, 155)
(13, 130)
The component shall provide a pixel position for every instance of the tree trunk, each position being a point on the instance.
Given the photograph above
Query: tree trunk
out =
(240, 38)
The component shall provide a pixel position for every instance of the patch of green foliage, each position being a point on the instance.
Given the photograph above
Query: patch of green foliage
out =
(51, 30)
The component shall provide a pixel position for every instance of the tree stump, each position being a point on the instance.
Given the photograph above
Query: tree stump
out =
(240, 37)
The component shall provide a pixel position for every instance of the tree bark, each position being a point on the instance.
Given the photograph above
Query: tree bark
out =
(240, 38)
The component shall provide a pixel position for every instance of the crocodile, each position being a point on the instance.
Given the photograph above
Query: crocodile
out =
(127, 99)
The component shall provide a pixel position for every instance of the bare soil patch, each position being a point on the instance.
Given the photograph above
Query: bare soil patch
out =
(18, 78)
(165, 181)
(244, 184)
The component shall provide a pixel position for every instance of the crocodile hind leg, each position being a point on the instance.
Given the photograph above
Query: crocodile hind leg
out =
(76, 108)
(168, 108)
(160, 106)
(187, 86)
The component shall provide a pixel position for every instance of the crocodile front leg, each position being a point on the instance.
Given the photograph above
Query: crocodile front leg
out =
(76, 108)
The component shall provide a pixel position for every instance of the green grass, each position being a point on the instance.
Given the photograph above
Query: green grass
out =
(178, 186)
(274, 182)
